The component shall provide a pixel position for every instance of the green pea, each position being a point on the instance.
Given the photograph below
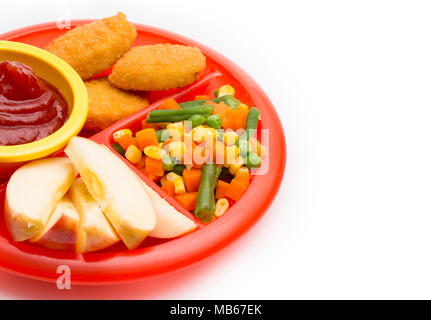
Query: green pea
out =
(197, 120)
(253, 161)
(214, 121)
(168, 163)
(178, 169)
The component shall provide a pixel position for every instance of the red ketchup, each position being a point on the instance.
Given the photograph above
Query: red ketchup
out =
(30, 109)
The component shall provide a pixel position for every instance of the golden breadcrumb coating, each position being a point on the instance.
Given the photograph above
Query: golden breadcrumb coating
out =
(94, 47)
(108, 104)
(157, 67)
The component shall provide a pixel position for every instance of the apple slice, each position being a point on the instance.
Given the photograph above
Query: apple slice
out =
(116, 188)
(61, 230)
(95, 232)
(170, 222)
(32, 194)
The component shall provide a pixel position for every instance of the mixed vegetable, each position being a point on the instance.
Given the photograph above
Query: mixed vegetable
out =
(200, 152)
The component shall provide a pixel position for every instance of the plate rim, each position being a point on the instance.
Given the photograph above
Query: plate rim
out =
(95, 278)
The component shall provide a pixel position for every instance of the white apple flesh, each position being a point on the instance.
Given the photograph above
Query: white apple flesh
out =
(170, 222)
(95, 232)
(61, 230)
(116, 188)
(32, 194)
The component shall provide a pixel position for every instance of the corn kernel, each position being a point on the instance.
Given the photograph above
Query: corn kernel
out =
(257, 147)
(242, 106)
(211, 132)
(222, 206)
(118, 134)
(171, 176)
(226, 90)
(179, 187)
(230, 137)
(154, 152)
(199, 134)
(176, 125)
(176, 149)
(175, 133)
(236, 164)
(232, 152)
(133, 154)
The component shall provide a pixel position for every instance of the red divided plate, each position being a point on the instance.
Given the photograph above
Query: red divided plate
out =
(156, 256)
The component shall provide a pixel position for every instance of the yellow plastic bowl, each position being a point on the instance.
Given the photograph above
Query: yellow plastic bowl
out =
(63, 77)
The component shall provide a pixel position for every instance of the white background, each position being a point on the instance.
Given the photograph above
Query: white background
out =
(351, 81)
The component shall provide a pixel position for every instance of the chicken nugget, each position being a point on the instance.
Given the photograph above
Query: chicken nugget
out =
(108, 104)
(94, 47)
(158, 67)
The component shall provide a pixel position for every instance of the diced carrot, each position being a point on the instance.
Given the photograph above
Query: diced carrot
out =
(169, 187)
(243, 176)
(228, 118)
(153, 177)
(146, 137)
(141, 164)
(202, 97)
(187, 200)
(219, 108)
(235, 190)
(153, 166)
(192, 179)
(221, 189)
(127, 140)
(169, 104)
(234, 118)
(241, 118)
(163, 181)
(146, 125)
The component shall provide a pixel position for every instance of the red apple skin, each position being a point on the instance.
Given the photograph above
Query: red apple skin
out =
(62, 235)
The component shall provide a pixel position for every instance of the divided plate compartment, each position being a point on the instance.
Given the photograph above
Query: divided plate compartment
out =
(154, 256)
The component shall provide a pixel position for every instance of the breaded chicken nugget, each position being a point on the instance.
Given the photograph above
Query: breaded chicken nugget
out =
(108, 104)
(94, 47)
(157, 67)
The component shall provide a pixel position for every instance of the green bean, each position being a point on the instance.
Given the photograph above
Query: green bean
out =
(214, 121)
(205, 203)
(118, 148)
(197, 120)
(178, 115)
(230, 100)
(193, 103)
(252, 121)
(253, 161)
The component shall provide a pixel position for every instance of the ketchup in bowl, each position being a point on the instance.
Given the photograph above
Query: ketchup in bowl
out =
(30, 109)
